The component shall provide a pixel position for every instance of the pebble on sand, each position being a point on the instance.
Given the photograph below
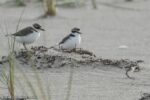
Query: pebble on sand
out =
(123, 47)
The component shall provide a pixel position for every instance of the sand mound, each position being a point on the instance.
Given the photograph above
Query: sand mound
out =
(43, 57)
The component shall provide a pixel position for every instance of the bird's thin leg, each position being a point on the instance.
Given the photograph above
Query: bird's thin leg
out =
(60, 46)
(75, 48)
(24, 46)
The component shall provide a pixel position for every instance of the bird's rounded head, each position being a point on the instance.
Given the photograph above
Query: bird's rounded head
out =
(37, 26)
(76, 30)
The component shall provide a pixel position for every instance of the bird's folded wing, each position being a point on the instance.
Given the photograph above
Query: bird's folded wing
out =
(24, 31)
(66, 38)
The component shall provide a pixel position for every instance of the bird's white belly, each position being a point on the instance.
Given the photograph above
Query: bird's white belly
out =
(28, 39)
(72, 43)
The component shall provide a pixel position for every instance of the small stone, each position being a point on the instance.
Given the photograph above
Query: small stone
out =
(123, 47)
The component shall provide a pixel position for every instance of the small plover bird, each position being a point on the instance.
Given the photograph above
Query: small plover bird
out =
(28, 35)
(71, 41)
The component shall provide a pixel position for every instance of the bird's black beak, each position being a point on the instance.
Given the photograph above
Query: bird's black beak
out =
(80, 33)
(42, 29)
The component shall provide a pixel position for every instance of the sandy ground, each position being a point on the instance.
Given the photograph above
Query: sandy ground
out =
(104, 31)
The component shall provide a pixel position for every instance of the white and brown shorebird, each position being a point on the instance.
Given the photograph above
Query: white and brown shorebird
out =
(71, 41)
(28, 35)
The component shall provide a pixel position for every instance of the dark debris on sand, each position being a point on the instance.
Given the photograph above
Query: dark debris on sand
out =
(43, 57)
(146, 96)
(12, 99)
(17, 98)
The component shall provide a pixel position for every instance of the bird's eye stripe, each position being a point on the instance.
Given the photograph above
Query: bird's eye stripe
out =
(72, 35)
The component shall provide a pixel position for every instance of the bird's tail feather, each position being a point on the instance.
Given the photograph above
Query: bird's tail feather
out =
(8, 35)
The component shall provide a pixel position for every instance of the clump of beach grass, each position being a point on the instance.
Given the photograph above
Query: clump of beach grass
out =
(9, 79)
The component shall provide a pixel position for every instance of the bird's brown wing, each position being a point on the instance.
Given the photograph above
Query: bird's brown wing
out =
(25, 31)
(66, 38)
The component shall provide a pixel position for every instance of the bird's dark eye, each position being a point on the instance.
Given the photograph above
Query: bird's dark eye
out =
(37, 26)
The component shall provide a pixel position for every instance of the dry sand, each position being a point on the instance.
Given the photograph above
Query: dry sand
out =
(104, 31)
